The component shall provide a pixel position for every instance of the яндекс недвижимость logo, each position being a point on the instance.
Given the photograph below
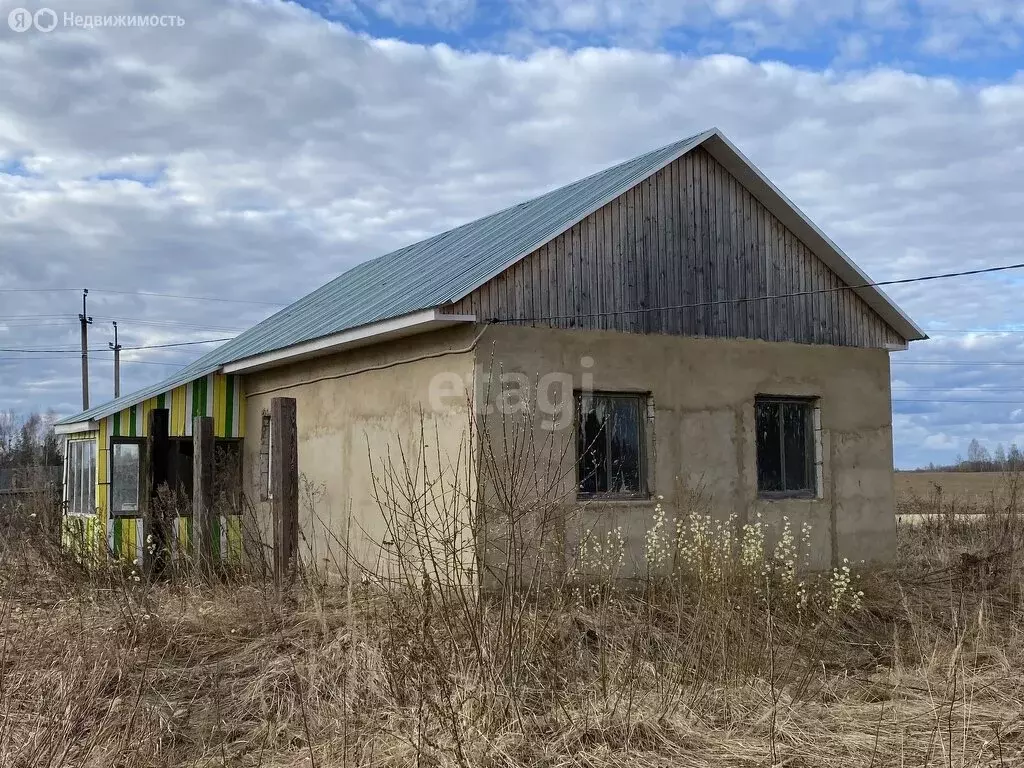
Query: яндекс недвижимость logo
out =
(22, 20)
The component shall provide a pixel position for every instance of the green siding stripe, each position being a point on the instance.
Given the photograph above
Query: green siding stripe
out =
(229, 406)
(132, 426)
(117, 537)
(161, 400)
(115, 422)
(199, 397)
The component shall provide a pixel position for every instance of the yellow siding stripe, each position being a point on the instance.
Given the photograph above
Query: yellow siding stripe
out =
(220, 420)
(128, 541)
(178, 416)
(234, 537)
(184, 543)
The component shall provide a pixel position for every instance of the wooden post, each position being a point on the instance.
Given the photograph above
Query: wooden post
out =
(284, 486)
(202, 492)
(155, 456)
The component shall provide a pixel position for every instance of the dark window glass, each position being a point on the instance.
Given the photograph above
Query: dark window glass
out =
(179, 474)
(785, 446)
(769, 457)
(624, 455)
(227, 477)
(609, 444)
(797, 445)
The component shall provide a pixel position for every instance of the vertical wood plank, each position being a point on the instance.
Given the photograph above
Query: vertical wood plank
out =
(700, 208)
(689, 235)
(723, 232)
(284, 477)
(202, 493)
(155, 461)
(593, 270)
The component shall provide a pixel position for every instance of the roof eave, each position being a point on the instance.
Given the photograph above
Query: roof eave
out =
(726, 153)
(411, 324)
(75, 427)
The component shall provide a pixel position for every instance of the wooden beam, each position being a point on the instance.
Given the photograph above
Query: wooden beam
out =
(284, 486)
(203, 447)
(155, 454)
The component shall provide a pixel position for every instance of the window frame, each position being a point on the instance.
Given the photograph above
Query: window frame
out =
(810, 404)
(643, 406)
(69, 478)
(266, 487)
(141, 442)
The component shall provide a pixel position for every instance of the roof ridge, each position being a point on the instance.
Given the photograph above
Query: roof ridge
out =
(427, 273)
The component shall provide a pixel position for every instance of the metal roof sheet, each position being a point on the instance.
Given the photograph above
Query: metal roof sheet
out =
(427, 274)
(446, 267)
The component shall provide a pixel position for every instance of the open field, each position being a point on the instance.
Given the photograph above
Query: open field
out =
(724, 667)
(974, 489)
(969, 496)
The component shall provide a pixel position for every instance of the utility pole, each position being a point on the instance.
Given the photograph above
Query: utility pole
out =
(86, 321)
(117, 362)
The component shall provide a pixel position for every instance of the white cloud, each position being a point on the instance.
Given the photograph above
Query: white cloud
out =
(932, 27)
(440, 13)
(260, 150)
(940, 441)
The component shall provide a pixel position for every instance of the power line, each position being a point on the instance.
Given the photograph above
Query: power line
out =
(795, 294)
(178, 363)
(34, 350)
(19, 319)
(958, 362)
(145, 293)
(34, 316)
(181, 343)
(193, 298)
(169, 323)
(941, 331)
(958, 389)
(969, 402)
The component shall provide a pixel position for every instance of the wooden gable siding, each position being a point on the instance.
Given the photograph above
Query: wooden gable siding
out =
(689, 235)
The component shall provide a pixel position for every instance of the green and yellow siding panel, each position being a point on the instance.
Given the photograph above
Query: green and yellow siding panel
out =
(214, 395)
(124, 538)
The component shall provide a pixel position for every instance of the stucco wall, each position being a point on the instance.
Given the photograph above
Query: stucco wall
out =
(702, 433)
(370, 401)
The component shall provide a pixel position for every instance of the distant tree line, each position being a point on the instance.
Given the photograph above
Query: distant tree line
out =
(980, 459)
(27, 443)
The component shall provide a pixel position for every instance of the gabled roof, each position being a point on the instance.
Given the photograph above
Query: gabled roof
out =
(447, 267)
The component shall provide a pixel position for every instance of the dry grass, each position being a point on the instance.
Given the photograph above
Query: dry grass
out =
(103, 670)
(971, 491)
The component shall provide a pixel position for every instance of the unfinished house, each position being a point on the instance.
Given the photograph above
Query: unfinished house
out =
(670, 326)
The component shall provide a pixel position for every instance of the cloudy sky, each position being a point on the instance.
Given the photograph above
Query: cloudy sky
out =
(262, 147)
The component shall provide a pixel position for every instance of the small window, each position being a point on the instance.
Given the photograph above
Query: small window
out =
(180, 458)
(266, 490)
(227, 476)
(610, 440)
(785, 447)
(124, 477)
(80, 477)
